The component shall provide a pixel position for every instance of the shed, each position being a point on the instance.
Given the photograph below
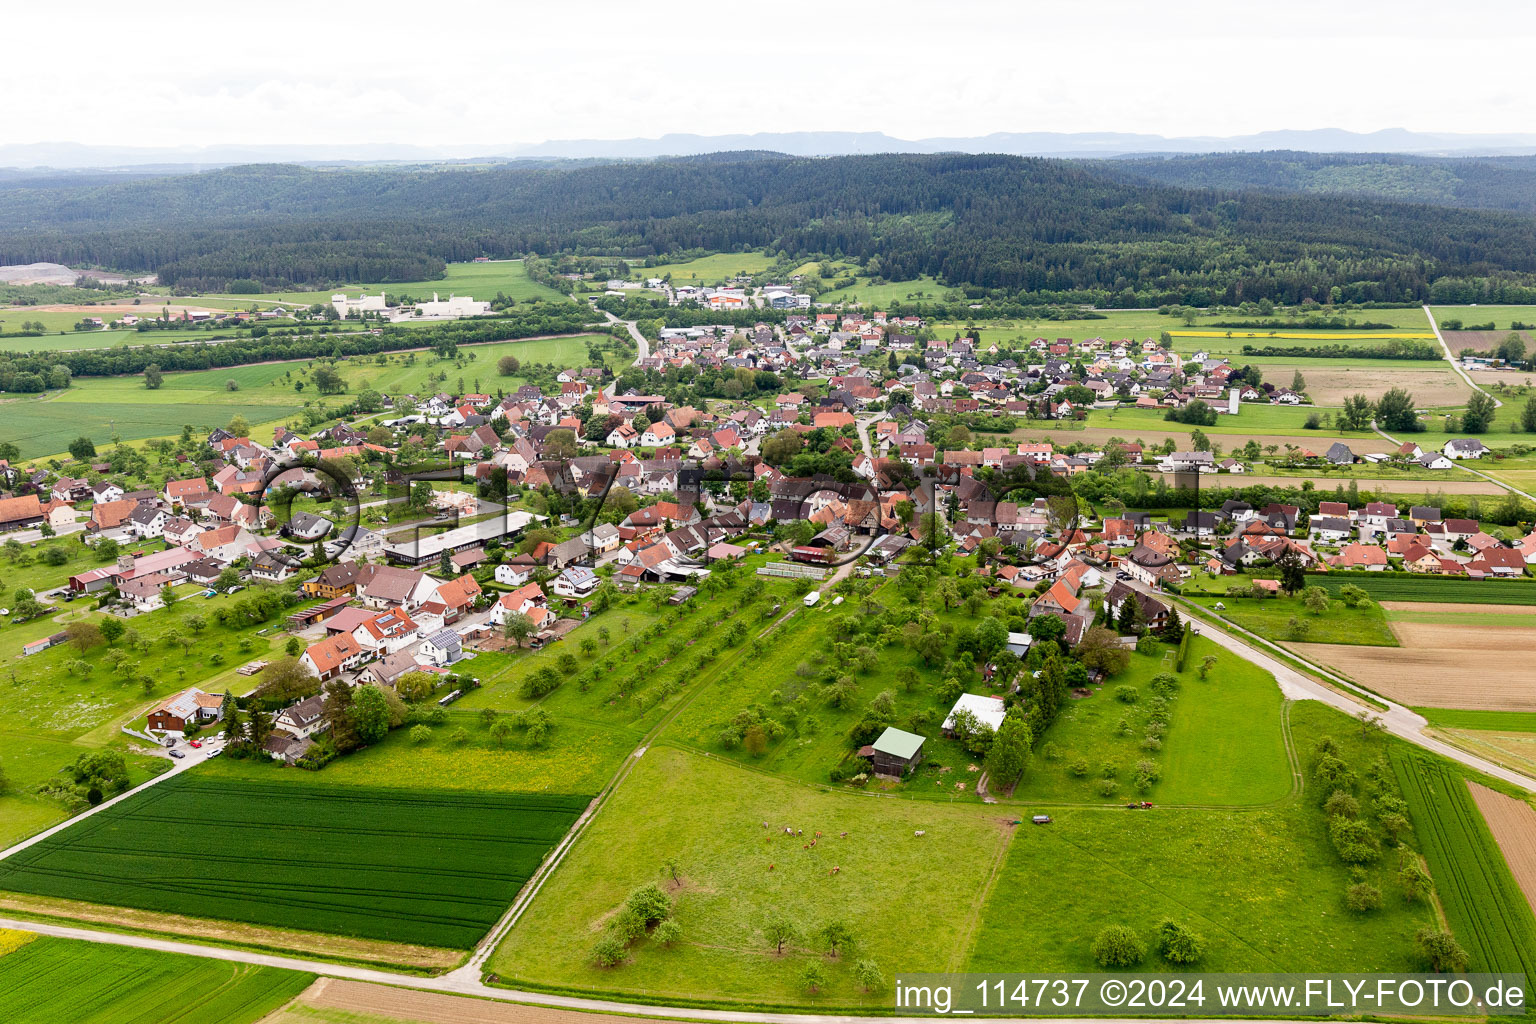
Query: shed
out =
(896, 752)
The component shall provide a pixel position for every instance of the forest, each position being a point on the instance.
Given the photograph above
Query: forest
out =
(1000, 227)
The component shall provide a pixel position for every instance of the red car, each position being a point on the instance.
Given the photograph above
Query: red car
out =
(196, 743)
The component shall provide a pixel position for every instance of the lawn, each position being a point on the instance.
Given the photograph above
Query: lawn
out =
(476, 280)
(29, 761)
(58, 980)
(436, 868)
(1270, 618)
(1496, 721)
(1501, 316)
(45, 426)
(911, 900)
(1224, 746)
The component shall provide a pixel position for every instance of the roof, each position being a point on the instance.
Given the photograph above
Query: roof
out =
(185, 704)
(988, 710)
(329, 654)
(14, 509)
(444, 639)
(898, 743)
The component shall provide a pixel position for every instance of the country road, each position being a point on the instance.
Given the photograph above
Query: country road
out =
(634, 332)
(1451, 358)
(1475, 472)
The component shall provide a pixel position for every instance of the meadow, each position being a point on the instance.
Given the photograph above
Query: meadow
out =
(1496, 721)
(1224, 745)
(878, 296)
(52, 980)
(736, 869)
(715, 269)
(1270, 618)
(476, 280)
(1486, 908)
(428, 867)
(1500, 316)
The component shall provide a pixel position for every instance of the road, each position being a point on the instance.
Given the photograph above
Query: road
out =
(1451, 358)
(1398, 720)
(634, 332)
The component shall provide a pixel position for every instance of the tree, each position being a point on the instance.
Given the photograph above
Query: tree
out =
(813, 977)
(1118, 947)
(414, 687)
(1298, 382)
(1316, 599)
(518, 628)
(508, 366)
(239, 426)
(196, 623)
(1479, 413)
(84, 634)
(1356, 414)
(153, 378)
(370, 714)
(1441, 950)
(501, 731)
(1528, 416)
(1512, 348)
(779, 930)
(1101, 649)
(1353, 596)
(1177, 944)
(836, 936)
(1292, 575)
(420, 734)
(82, 448)
(111, 629)
(294, 647)
(1009, 757)
(867, 974)
(1206, 664)
(1395, 412)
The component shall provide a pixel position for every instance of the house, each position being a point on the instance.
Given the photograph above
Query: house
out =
(1338, 454)
(332, 656)
(193, 491)
(1330, 530)
(566, 552)
(303, 719)
(306, 527)
(895, 752)
(1465, 448)
(188, 707)
(384, 631)
(516, 572)
(1153, 612)
(1434, 460)
(658, 434)
(576, 582)
(388, 669)
(339, 580)
(19, 513)
(389, 586)
(110, 515)
(1361, 556)
(442, 648)
(148, 521)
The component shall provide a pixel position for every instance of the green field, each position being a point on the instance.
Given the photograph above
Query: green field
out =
(1409, 587)
(1487, 910)
(1492, 721)
(877, 296)
(434, 868)
(59, 981)
(714, 269)
(476, 280)
(103, 407)
(1501, 316)
(911, 900)
(1270, 618)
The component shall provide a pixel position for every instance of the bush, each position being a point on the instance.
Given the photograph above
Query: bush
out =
(1341, 805)
(1441, 951)
(1127, 694)
(1107, 788)
(1177, 944)
(1118, 947)
(650, 904)
(1362, 897)
(1354, 841)
(1080, 768)
(667, 933)
(610, 951)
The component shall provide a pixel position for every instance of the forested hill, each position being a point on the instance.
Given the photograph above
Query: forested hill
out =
(1003, 226)
(1491, 183)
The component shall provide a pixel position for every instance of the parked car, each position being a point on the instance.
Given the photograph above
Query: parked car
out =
(178, 754)
(195, 743)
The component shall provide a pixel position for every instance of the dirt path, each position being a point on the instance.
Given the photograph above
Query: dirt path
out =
(1513, 824)
(352, 998)
(303, 943)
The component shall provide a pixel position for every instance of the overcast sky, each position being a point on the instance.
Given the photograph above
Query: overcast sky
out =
(476, 73)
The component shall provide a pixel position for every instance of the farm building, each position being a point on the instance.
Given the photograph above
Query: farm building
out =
(192, 705)
(895, 752)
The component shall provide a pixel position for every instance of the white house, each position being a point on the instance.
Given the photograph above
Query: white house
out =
(1465, 448)
(442, 648)
(987, 709)
(303, 719)
(576, 582)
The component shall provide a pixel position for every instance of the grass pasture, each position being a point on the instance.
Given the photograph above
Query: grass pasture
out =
(715, 269)
(1485, 906)
(1500, 316)
(1270, 618)
(1407, 587)
(51, 981)
(45, 426)
(434, 868)
(714, 828)
(877, 296)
